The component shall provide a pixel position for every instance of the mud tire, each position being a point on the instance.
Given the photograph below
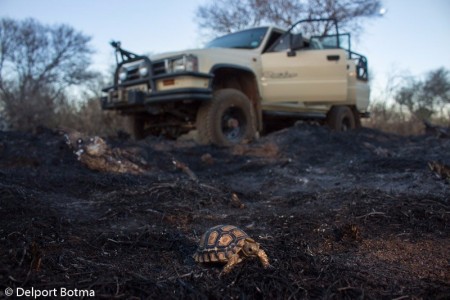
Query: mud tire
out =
(341, 118)
(228, 119)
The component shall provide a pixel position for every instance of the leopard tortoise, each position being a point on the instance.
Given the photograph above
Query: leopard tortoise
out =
(229, 245)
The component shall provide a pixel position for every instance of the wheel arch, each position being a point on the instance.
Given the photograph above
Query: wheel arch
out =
(242, 79)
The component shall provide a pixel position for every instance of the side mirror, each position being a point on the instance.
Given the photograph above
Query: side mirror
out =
(295, 43)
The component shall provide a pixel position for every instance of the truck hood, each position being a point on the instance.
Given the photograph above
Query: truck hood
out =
(209, 57)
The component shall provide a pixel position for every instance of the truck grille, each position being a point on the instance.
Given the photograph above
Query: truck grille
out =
(132, 74)
(159, 68)
(132, 70)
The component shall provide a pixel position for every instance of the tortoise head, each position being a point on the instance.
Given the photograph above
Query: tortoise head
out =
(250, 247)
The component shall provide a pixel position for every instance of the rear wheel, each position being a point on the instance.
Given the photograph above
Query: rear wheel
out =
(226, 120)
(341, 118)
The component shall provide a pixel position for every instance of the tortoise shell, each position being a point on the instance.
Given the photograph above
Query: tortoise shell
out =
(220, 243)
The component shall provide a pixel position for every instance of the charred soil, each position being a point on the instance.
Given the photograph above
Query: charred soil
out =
(340, 215)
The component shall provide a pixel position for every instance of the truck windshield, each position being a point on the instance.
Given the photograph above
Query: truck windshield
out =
(247, 39)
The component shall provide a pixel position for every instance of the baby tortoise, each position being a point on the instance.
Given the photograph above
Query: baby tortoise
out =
(230, 245)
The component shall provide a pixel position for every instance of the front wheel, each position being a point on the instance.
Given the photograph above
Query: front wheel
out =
(341, 118)
(226, 120)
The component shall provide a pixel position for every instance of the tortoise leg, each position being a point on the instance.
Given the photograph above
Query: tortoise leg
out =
(234, 260)
(263, 258)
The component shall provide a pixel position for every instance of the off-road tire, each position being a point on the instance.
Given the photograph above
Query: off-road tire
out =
(135, 126)
(341, 118)
(228, 119)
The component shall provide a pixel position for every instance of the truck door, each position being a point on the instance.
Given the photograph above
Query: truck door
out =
(310, 74)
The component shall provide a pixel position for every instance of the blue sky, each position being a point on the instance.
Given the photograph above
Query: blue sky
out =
(414, 35)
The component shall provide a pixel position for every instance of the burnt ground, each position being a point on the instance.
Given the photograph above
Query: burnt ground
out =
(340, 215)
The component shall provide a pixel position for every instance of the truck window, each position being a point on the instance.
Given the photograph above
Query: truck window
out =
(274, 36)
(282, 44)
(247, 39)
(331, 41)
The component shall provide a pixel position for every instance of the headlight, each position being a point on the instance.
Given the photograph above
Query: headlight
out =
(191, 63)
(133, 71)
(143, 71)
(186, 63)
(122, 74)
(178, 65)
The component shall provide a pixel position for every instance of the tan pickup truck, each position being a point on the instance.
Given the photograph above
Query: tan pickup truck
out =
(226, 91)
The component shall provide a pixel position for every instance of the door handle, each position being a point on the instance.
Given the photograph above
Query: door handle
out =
(333, 57)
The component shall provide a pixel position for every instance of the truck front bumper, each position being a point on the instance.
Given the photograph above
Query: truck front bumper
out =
(183, 87)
